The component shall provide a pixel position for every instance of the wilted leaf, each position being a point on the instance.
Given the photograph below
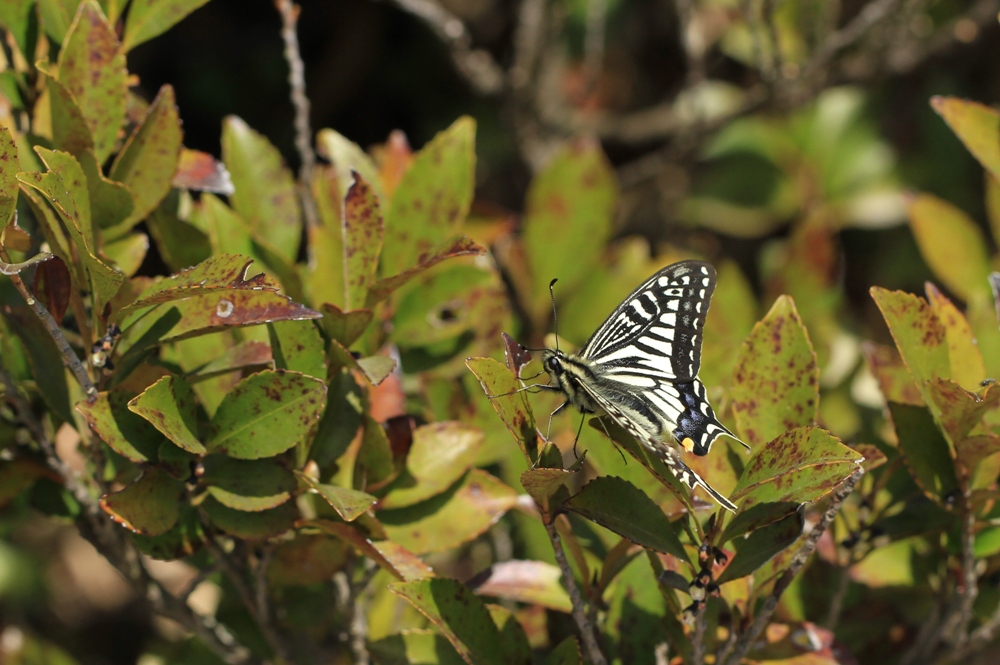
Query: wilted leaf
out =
(171, 407)
(776, 379)
(951, 243)
(248, 485)
(150, 505)
(977, 126)
(440, 454)
(149, 18)
(128, 435)
(452, 517)
(800, 465)
(266, 414)
(532, 582)
(400, 563)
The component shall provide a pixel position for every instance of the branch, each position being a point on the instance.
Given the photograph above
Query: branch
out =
(593, 47)
(870, 15)
(750, 636)
(297, 82)
(476, 66)
(579, 612)
(70, 358)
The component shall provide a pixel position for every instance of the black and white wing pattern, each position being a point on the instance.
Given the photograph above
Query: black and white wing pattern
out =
(641, 367)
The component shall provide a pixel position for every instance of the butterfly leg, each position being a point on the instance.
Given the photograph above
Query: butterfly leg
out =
(548, 429)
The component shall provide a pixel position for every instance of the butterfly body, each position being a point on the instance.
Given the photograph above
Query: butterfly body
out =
(640, 368)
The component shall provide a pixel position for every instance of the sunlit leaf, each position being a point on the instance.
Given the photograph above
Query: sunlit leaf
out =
(363, 235)
(952, 244)
(149, 18)
(8, 177)
(532, 582)
(512, 405)
(439, 455)
(128, 435)
(170, 406)
(976, 125)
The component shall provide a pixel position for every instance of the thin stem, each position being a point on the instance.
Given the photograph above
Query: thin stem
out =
(579, 611)
(750, 636)
(698, 639)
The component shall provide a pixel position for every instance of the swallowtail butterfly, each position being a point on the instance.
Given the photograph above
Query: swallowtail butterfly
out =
(640, 367)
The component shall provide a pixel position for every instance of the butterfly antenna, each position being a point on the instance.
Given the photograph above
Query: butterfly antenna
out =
(555, 317)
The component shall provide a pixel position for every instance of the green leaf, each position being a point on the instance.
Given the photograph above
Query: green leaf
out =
(181, 244)
(568, 220)
(928, 455)
(265, 189)
(921, 339)
(56, 16)
(457, 246)
(266, 414)
(800, 465)
(514, 646)
(148, 160)
(395, 559)
(298, 346)
(756, 517)
(459, 615)
(952, 244)
(566, 653)
(8, 178)
(44, 357)
(414, 647)
(363, 236)
(375, 462)
(347, 157)
(545, 486)
(324, 277)
(433, 198)
(149, 18)
(976, 125)
(964, 357)
(349, 504)
(502, 388)
(248, 485)
(127, 252)
(252, 526)
(149, 506)
(345, 327)
(17, 475)
(761, 545)
(306, 560)
(181, 540)
(439, 455)
(171, 407)
(128, 435)
(620, 506)
(531, 582)
(92, 67)
(227, 232)
(776, 379)
(15, 17)
(450, 518)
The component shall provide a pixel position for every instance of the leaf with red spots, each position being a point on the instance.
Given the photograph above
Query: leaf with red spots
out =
(363, 236)
(460, 616)
(567, 221)
(252, 526)
(171, 407)
(800, 465)
(456, 246)
(9, 167)
(532, 582)
(247, 485)
(393, 159)
(345, 327)
(440, 454)
(150, 505)
(546, 487)
(128, 434)
(266, 414)
(977, 126)
(347, 158)
(298, 346)
(149, 18)
(92, 67)
(958, 410)
(510, 403)
(762, 545)
(450, 518)
(264, 187)
(964, 358)
(432, 200)
(620, 506)
(53, 286)
(921, 339)
(776, 379)
(893, 378)
(952, 244)
(395, 559)
(928, 455)
(148, 160)
(349, 504)
(69, 128)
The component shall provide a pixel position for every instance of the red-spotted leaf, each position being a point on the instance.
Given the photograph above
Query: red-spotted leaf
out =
(347, 158)
(345, 327)
(964, 356)
(532, 582)
(893, 378)
(394, 558)
(800, 465)
(74, 180)
(544, 484)
(977, 126)
(110, 201)
(170, 406)
(92, 67)
(776, 380)
(266, 414)
(928, 455)
(8, 178)
(264, 187)
(350, 504)
(761, 545)
(958, 410)
(951, 243)
(432, 199)
(503, 390)
(455, 246)
(69, 128)
(252, 525)
(149, 18)
(248, 485)
(128, 434)
(363, 236)
(439, 455)
(459, 615)
(148, 160)
(414, 646)
(298, 346)
(620, 506)
(450, 518)
(921, 339)
(149, 506)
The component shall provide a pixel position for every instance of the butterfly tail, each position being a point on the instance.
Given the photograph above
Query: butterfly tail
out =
(686, 475)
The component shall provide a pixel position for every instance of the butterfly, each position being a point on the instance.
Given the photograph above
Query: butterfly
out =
(640, 368)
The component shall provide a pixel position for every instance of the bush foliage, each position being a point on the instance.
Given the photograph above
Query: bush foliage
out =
(320, 422)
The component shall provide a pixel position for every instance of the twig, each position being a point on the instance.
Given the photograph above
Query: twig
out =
(476, 66)
(837, 600)
(594, 653)
(870, 15)
(698, 639)
(289, 12)
(970, 581)
(593, 44)
(749, 636)
(359, 621)
(70, 358)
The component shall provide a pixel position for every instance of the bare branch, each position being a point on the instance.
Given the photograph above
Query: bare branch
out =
(594, 653)
(870, 15)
